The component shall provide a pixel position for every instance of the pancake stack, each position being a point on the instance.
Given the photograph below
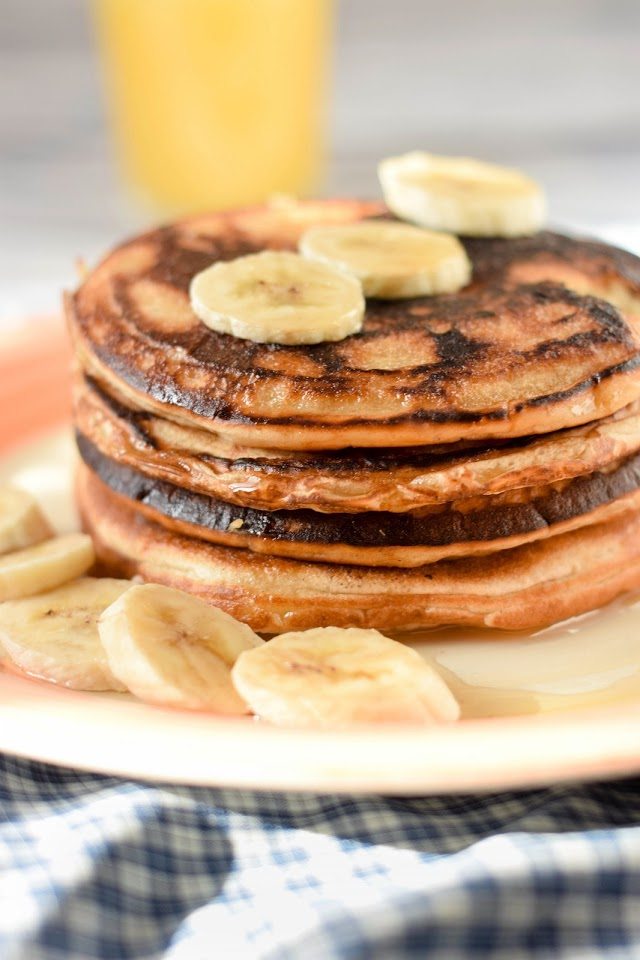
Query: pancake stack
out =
(467, 458)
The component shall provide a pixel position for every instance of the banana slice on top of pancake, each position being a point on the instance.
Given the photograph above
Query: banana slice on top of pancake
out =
(462, 195)
(332, 677)
(391, 260)
(278, 297)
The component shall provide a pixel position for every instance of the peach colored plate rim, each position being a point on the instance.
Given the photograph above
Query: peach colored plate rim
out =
(114, 734)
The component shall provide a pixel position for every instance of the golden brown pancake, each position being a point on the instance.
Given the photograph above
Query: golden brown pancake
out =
(464, 527)
(503, 358)
(525, 588)
(345, 481)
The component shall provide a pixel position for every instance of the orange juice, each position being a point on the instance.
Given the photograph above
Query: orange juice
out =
(216, 103)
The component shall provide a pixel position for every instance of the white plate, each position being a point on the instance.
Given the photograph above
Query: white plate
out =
(115, 734)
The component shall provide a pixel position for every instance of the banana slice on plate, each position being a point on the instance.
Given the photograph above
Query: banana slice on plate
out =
(461, 195)
(333, 677)
(47, 565)
(170, 648)
(54, 636)
(22, 522)
(278, 297)
(391, 260)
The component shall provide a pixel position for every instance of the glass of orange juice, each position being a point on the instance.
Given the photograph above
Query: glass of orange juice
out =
(216, 103)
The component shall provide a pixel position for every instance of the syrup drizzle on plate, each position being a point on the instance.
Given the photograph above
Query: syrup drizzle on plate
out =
(581, 662)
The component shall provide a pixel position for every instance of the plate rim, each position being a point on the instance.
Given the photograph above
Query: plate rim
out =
(440, 759)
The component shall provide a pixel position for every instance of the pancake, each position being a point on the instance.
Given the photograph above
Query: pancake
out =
(476, 526)
(351, 481)
(585, 266)
(503, 358)
(525, 588)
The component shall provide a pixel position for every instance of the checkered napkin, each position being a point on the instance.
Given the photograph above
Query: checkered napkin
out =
(97, 867)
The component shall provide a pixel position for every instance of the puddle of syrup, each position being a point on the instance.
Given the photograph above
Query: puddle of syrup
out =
(589, 660)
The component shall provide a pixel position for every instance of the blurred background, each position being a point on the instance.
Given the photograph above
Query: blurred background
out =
(115, 114)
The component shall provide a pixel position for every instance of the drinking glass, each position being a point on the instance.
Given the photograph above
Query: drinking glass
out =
(216, 103)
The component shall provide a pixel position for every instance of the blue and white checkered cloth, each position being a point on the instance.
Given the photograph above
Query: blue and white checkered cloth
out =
(97, 867)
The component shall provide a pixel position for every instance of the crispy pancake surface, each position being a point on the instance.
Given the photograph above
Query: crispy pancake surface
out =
(511, 355)
(585, 266)
(394, 480)
(523, 588)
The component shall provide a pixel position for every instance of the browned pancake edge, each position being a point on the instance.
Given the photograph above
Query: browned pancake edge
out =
(526, 588)
(480, 525)
(346, 481)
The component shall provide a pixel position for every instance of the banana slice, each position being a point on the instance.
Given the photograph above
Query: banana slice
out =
(170, 648)
(462, 195)
(54, 636)
(332, 677)
(47, 565)
(22, 522)
(278, 297)
(391, 260)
